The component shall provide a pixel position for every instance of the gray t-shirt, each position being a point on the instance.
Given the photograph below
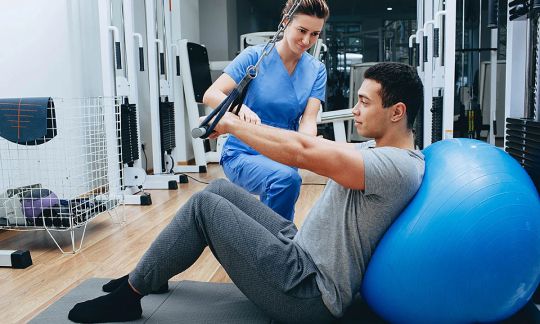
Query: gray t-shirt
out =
(344, 227)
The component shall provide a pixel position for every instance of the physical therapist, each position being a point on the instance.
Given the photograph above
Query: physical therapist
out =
(286, 94)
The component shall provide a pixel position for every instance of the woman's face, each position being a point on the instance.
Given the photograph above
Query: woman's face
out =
(303, 32)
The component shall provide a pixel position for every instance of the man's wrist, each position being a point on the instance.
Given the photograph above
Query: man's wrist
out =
(229, 124)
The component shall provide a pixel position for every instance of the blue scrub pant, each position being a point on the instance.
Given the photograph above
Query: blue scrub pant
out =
(277, 185)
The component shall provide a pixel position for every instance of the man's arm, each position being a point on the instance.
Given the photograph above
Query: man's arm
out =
(340, 163)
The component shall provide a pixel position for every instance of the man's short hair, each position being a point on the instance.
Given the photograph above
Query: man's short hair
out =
(399, 83)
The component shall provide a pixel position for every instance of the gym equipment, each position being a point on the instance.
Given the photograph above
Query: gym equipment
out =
(432, 50)
(27, 121)
(467, 248)
(485, 98)
(523, 144)
(36, 201)
(17, 259)
(80, 163)
(522, 94)
(165, 111)
(196, 78)
(120, 82)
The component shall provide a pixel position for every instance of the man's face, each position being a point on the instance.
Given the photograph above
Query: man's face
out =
(371, 119)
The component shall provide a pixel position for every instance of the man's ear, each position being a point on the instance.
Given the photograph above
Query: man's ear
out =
(399, 112)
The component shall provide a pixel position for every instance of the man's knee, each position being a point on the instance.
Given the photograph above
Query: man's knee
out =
(216, 185)
(201, 205)
(198, 202)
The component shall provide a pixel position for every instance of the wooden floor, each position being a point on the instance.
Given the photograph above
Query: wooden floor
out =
(109, 250)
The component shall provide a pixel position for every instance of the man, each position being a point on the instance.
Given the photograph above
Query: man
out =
(305, 276)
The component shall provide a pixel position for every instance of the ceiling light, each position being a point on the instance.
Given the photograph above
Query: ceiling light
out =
(389, 8)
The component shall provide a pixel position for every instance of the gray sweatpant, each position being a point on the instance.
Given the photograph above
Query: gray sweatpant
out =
(254, 245)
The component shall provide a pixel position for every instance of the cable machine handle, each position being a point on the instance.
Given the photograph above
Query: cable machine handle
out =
(493, 14)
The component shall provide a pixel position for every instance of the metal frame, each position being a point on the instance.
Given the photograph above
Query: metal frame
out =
(433, 72)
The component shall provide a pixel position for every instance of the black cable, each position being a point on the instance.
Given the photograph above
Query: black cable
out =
(172, 165)
(192, 178)
(145, 158)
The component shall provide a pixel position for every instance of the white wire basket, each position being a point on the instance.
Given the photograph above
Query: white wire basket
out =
(69, 178)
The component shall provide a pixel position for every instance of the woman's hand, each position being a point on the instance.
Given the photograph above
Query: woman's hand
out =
(248, 115)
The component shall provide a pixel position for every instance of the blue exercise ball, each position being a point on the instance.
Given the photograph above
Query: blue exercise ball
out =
(467, 248)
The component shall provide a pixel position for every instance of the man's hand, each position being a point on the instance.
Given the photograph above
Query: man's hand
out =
(221, 127)
(248, 115)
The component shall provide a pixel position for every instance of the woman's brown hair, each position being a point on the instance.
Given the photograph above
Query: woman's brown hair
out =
(314, 8)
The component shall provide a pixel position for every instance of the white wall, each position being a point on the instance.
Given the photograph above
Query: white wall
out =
(214, 29)
(218, 28)
(49, 48)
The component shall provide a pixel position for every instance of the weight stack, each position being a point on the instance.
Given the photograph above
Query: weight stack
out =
(437, 119)
(167, 129)
(419, 129)
(523, 144)
(129, 134)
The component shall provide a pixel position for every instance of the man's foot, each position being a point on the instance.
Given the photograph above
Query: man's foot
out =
(122, 305)
(115, 283)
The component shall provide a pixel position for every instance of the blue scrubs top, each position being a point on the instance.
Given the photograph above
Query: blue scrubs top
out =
(278, 98)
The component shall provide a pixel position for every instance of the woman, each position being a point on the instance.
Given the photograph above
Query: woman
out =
(287, 93)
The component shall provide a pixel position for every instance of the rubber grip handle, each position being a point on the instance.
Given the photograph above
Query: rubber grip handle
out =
(199, 131)
(177, 65)
(411, 55)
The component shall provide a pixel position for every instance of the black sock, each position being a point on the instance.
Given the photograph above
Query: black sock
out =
(122, 305)
(115, 283)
